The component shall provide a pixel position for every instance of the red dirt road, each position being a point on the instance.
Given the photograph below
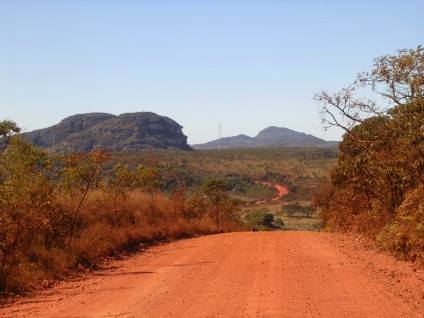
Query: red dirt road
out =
(282, 190)
(252, 274)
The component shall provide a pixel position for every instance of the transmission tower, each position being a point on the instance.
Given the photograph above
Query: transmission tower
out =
(220, 136)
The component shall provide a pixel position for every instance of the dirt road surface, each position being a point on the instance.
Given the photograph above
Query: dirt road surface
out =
(282, 190)
(253, 274)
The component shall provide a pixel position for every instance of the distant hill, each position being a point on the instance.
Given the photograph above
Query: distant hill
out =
(269, 137)
(126, 132)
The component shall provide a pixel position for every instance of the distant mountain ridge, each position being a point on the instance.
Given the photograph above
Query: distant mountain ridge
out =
(126, 132)
(269, 137)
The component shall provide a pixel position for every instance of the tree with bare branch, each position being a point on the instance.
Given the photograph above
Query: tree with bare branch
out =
(381, 158)
(398, 79)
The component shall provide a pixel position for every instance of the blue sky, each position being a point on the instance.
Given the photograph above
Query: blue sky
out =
(245, 65)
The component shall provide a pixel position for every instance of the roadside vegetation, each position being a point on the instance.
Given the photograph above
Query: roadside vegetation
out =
(274, 216)
(377, 187)
(300, 170)
(69, 211)
(64, 212)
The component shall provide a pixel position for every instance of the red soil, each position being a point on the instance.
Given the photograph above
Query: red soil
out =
(282, 190)
(251, 274)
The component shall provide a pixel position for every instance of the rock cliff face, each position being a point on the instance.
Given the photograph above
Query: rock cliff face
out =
(126, 132)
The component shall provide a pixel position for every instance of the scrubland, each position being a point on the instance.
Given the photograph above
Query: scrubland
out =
(377, 187)
(62, 213)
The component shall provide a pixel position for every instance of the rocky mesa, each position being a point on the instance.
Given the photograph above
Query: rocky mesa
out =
(124, 133)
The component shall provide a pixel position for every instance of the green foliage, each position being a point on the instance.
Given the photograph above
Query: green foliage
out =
(255, 214)
(148, 179)
(376, 186)
(297, 208)
(217, 196)
(299, 169)
(262, 219)
(7, 130)
(26, 202)
(60, 211)
(243, 186)
(268, 220)
(372, 178)
(121, 178)
(80, 175)
(197, 207)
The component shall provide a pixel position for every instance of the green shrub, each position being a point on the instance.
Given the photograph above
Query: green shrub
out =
(297, 208)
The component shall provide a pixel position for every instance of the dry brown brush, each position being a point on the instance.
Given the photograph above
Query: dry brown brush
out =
(58, 213)
(377, 186)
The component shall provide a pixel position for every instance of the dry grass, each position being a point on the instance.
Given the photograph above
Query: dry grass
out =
(62, 234)
(102, 230)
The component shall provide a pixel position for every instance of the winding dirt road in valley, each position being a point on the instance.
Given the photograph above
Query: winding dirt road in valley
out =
(251, 274)
(282, 190)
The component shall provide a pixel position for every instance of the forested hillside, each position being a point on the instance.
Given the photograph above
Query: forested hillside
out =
(377, 187)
